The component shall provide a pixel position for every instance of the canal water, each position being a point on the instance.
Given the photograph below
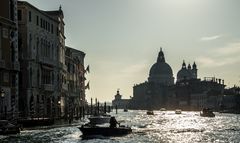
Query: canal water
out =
(164, 126)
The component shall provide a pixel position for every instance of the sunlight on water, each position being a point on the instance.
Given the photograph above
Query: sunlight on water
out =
(163, 126)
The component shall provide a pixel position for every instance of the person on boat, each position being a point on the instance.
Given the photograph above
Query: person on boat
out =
(113, 122)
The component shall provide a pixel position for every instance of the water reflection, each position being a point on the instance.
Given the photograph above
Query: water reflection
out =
(164, 126)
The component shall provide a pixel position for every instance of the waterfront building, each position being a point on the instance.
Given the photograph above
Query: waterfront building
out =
(119, 102)
(188, 93)
(61, 65)
(9, 64)
(42, 55)
(76, 80)
(230, 101)
(195, 94)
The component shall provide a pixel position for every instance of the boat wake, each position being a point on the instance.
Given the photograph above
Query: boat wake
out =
(136, 127)
(187, 130)
(93, 137)
(229, 129)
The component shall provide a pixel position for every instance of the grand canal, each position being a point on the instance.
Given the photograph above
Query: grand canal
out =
(164, 126)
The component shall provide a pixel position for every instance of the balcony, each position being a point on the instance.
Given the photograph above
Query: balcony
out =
(16, 66)
(73, 94)
(65, 87)
(46, 60)
(2, 64)
(48, 87)
(13, 90)
(63, 67)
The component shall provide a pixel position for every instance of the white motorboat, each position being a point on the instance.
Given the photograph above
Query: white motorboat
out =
(99, 119)
(178, 111)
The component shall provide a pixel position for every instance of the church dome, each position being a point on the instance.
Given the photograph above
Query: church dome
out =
(160, 69)
(184, 73)
(161, 72)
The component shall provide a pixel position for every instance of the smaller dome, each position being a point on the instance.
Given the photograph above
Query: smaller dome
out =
(184, 74)
(118, 96)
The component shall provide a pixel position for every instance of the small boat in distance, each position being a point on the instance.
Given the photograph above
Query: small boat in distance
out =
(163, 109)
(150, 112)
(104, 131)
(206, 112)
(178, 111)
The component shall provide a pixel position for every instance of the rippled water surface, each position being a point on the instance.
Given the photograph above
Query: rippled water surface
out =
(164, 126)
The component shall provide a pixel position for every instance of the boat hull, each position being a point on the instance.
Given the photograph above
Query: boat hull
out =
(10, 131)
(150, 113)
(207, 115)
(105, 131)
(206, 112)
(8, 128)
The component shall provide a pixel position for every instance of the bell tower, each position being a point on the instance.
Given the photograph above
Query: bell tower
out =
(194, 70)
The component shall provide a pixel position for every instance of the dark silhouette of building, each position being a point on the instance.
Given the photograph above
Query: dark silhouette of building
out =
(230, 102)
(9, 63)
(153, 93)
(195, 94)
(119, 102)
(42, 59)
(188, 93)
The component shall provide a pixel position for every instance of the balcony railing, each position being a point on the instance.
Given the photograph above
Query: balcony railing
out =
(46, 60)
(64, 87)
(48, 87)
(16, 66)
(63, 66)
(73, 94)
(2, 64)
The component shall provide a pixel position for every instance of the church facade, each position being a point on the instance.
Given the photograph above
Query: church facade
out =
(120, 103)
(188, 93)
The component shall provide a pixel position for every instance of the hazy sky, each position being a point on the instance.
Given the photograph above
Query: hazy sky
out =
(122, 38)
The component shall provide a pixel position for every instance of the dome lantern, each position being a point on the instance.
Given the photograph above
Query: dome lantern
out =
(189, 67)
(183, 65)
(194, 66)
(161, 57)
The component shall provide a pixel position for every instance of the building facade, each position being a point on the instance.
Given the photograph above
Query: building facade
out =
(42, 54)
(74, 60)
(195, 94)
(118, 102)
(61, 66)
(230, 102)
(9, 64)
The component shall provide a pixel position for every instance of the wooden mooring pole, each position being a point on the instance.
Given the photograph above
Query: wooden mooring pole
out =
(91, 107)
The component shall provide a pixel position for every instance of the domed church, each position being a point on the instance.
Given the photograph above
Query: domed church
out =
(153, 93)
(187, 73)
(161, 72)
(189, 92)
